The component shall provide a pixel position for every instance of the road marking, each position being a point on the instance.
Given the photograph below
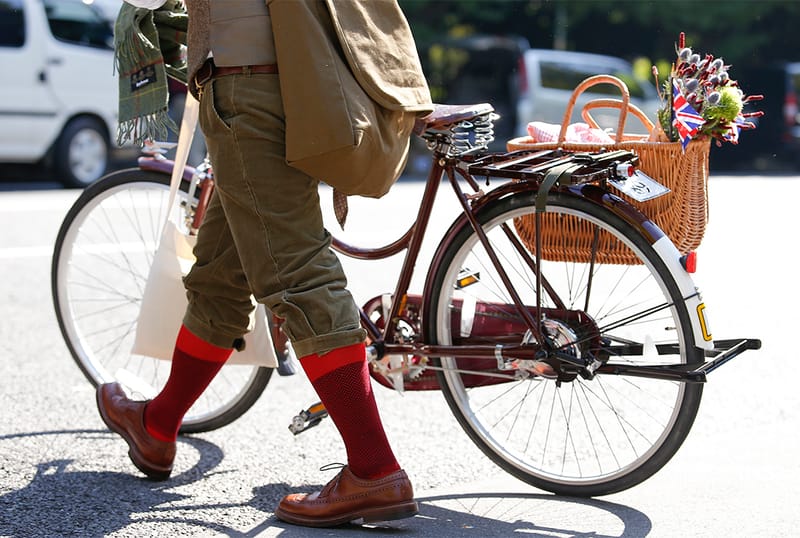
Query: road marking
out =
(27, 201)
(15, 253)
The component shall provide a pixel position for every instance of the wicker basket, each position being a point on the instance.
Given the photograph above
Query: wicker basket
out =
(682, 213)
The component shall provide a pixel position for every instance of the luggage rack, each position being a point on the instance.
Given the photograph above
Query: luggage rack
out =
(531, 165)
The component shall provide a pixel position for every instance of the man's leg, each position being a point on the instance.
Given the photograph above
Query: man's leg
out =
(218, 314)
(341, 379)
(276, 222)
(195, 363)
(151, 428)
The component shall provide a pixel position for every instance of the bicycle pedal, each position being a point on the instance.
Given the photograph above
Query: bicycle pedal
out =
(307, 419)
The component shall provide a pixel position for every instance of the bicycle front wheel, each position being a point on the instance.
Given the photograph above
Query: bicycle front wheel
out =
(556, 429)
(101, 261)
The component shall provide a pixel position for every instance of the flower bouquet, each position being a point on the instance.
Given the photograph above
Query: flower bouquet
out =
(700, 100)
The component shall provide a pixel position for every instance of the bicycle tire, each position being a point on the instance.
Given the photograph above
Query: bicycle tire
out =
(577, 437)
(101, 260)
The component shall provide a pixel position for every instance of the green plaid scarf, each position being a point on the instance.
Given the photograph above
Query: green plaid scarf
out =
(149, 45)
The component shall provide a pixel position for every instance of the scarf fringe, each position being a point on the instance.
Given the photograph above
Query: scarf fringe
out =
(153, 126)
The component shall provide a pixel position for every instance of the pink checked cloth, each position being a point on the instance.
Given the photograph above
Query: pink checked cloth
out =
(576, 132)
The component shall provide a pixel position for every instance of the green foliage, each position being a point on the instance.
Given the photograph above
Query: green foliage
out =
(442, 65)
(745, 32)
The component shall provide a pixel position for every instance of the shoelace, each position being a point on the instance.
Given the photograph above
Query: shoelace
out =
(333, 483)
(331, 466)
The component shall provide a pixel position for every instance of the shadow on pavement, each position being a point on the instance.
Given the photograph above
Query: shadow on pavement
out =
(59, 500)
(509, 514)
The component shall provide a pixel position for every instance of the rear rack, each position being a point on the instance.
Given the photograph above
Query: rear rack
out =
(532, 165)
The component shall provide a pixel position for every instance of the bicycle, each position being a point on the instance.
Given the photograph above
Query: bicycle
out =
(576, 375)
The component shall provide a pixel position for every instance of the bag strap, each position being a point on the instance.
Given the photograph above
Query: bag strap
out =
(191, 111)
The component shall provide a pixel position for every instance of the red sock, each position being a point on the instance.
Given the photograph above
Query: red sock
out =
(195, 362)
(341, 379)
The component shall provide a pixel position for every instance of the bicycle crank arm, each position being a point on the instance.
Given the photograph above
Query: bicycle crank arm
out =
(689, 373)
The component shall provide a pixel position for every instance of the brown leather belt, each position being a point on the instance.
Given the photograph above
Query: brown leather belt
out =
(265, 69)
(209, 71)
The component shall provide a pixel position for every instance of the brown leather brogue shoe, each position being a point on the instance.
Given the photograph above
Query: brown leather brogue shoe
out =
(126, 417)
(347, 498)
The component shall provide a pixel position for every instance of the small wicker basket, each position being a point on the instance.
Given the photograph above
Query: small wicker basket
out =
(682, 213)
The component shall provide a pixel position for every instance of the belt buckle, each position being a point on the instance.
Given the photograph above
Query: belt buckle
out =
(203, 75)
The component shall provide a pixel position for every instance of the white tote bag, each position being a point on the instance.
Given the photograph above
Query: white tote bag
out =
(164, 299)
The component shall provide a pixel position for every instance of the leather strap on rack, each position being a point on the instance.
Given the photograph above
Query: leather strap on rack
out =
(562, 173)
(552, 177)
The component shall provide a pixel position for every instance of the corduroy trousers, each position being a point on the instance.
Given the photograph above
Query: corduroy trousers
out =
(263, 234)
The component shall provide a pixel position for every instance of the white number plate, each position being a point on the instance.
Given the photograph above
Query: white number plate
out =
(640, 187)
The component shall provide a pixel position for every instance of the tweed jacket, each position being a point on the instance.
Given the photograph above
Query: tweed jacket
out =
(373, 34)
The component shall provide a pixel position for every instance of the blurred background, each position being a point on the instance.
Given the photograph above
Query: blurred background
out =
(57, 115)
(488, 50)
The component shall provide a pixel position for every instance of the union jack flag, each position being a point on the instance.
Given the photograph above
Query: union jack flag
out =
(685, 118)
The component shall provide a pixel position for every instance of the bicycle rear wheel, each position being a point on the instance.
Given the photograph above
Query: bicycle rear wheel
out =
(571, 435)
(102, 257)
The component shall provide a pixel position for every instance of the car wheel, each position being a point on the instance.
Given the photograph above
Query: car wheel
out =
(81, 153)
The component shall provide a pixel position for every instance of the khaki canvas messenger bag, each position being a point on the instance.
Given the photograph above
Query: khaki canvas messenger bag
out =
(352, 86)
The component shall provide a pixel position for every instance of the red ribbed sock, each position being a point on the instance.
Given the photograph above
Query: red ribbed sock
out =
(341, 379)
(195, 362)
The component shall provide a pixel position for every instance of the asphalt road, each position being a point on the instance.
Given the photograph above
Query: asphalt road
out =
(63, 474)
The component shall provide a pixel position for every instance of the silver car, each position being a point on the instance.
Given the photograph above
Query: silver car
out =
(551, 76)
(58, 97)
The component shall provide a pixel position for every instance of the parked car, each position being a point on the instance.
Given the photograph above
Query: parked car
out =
(775, 143)
(550, 76)
(59, 96)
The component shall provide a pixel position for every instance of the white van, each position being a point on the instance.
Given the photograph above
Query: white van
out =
(59, 95)
(550, 76)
